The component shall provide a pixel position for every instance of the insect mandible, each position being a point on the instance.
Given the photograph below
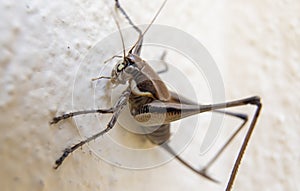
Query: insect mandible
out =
(152, 104)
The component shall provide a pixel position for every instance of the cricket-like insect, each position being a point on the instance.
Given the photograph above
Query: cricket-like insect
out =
(154, 106)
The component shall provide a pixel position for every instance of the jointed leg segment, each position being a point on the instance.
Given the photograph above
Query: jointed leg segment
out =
(138, 48)
(116, 112)
(213, 107)
(166, 67)
(72, 114)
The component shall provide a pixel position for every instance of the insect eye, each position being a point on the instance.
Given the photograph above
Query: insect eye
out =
(120, 67)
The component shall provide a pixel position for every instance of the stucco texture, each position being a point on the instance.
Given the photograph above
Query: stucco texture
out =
(254, 43)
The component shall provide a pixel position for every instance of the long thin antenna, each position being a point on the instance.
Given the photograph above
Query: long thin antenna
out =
(152, 21)
(122, 39)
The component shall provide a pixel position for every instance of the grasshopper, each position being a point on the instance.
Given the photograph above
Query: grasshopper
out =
(155, 107)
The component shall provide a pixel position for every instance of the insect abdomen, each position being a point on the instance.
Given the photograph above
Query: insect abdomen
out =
(160, 135)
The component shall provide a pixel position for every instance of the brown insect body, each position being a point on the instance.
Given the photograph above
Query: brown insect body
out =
(155, 107)
(145, 87)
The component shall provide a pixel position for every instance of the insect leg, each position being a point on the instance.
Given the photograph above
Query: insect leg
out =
(69, 150)
(199, 172)
(104, 111)
(118, 6)
(180, 99)
(139, 44)
(166, 67)
(72, 114)
(116, 112)
(203, 171)
(182, 110)
(244, 118)
(255, 101)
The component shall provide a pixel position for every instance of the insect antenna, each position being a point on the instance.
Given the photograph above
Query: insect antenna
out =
(152, 21)
(122, 39)
(118, 6)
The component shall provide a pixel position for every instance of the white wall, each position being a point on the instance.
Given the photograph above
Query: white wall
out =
(255, 44)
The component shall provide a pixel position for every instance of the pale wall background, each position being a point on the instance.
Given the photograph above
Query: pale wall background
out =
(255, 44)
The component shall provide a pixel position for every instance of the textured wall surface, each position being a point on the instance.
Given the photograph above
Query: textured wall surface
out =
(256, 45)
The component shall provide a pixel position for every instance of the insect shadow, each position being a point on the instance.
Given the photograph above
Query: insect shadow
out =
(154, 106)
